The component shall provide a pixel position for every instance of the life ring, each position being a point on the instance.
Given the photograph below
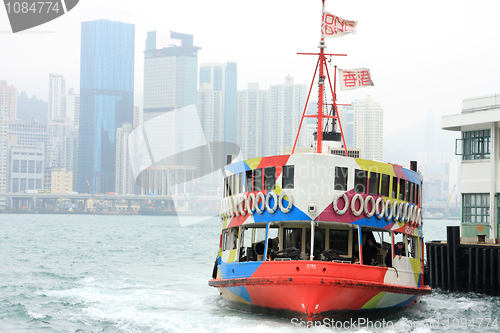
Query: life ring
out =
(235, 206)
(379, 213)
(260, 210)
(242, 205)
(402, 211)
(395, 212)
(419, 216)
(372, 211)
(410, 214)
(336, 204)
(268, 206)
(357, 197)
(250, 208)
(405, 213)
(290, 202)
(389, 210)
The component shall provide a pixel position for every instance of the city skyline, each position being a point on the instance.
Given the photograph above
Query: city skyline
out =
(436, 64)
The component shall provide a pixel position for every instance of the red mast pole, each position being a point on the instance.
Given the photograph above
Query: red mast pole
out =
(321, 81)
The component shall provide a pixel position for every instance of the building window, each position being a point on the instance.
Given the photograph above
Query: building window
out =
(288, 174)
(270, 178)
(360, 181)
(257, 180)
(474, 145)
(394, 187)
(384, 188)
(248, 186)
(476, 207)
(374, 183)
(340, 179)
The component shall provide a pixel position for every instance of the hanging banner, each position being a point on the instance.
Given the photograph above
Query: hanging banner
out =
(334, 26)
(354, 78)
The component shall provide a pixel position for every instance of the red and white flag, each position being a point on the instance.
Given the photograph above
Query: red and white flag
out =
(334, 26)
(354, 78)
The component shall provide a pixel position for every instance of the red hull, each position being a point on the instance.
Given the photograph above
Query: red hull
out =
(329, 289)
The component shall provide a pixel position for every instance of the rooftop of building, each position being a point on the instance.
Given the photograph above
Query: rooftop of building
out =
(479, 110)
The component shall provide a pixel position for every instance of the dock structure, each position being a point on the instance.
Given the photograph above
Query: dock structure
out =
(458, 267)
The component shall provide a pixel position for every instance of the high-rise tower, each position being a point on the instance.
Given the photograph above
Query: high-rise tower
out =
(170, 73)
(106, 99)
(57, 91)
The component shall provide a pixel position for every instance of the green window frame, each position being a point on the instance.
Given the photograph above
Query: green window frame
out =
(474, 145)
(476, 207)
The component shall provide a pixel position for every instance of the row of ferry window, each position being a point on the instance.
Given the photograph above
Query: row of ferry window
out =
(378, 184)
(373, 183)
(258, 180)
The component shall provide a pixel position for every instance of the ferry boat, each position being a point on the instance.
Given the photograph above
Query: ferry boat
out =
(321, 234)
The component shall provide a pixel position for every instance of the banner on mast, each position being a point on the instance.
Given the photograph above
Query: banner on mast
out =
(334, 26)
(354, 78)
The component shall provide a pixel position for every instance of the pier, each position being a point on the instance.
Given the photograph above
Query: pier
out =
(457, 267)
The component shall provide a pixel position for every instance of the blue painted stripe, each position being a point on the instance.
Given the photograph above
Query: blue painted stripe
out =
(412, 176)
(238, 270)
(241, 292)
(237, 167)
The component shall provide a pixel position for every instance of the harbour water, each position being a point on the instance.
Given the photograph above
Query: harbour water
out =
(80, 273)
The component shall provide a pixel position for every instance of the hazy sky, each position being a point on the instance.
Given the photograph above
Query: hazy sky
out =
(423, 55)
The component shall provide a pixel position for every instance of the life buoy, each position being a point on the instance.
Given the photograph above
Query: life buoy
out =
(402, 211)
(395, 211)
(268, 206)
(372, 211)
(242, 205)
(357, 197)
(379, 213)
(336, 204)
(290, 202)
(250, 208)
(389, 210)
(405, 213)
(410, 214)
(419, 216)
(235, 206)
(260, 210)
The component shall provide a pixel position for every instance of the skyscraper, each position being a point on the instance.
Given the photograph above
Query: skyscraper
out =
(3, 151)
(170, 72)
(252, 106)
(106, 99)
(223, 77)
(57, 90)
(124, 178)
(8, 99)
(286, 104)
(368, 126)
(71, 107)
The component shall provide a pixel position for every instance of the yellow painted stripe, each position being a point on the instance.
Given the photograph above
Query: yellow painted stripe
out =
(372, 304)
(253, 163)
(379, 167)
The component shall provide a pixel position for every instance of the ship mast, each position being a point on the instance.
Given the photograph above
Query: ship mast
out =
(322, 64)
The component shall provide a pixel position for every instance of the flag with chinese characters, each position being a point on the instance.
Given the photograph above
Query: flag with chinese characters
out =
(354, 78)
(334, 26)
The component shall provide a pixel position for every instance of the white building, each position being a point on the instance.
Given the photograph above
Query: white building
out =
(8, 98)
(478, 146)
(124, 178)
(252, 105)
(57, 89)
(3, 151)
(281, 121)
(71, 108)
(27, 132)
(368, 127)
(25, 171)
